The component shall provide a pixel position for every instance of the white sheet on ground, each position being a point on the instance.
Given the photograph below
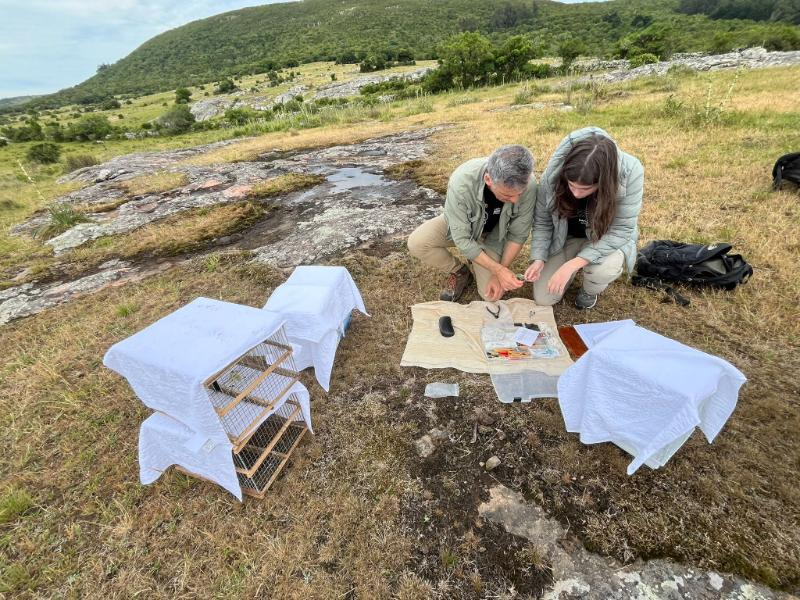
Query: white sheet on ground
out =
(315, 301)
(465, 350)
(646, 393)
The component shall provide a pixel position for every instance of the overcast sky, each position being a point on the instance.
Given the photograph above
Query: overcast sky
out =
(47, 45)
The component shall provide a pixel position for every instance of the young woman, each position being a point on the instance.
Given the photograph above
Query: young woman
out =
(587, 208)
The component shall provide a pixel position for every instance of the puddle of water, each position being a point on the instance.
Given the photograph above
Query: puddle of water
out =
(353, 177)
(345, 179)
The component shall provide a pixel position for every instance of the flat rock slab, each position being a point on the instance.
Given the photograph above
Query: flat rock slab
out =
(231, 182)
(752, 58)
(354, 205)
(578, 573)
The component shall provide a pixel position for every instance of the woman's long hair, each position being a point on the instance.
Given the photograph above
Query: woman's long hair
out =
(592, 161)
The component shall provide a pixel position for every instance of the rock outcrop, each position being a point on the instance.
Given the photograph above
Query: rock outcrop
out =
(346, 89)
(752, 58)
(355, 204)
(579, 574)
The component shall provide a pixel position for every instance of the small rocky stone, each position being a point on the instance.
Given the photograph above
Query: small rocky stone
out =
(492, 463)
(235, 192)
(209, 184)
(424, 446)
(438, 436)
(146, 208)
(229, 239)
(715, 581)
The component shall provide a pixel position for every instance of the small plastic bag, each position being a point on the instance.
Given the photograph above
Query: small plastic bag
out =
(441, 390)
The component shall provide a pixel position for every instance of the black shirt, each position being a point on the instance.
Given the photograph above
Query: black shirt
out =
(576, 226)
(493, 209)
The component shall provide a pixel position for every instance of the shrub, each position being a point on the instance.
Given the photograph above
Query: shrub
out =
(513, 57)
(30, 132)
(658, 39)
(570, 49)
(240, 116)
(89, 127)
(110, 104)
(389, 86)
(73, 162)
(373, 62)
(292, 105)
(44, 153)
(226, 86)
(538, 71)
(182, 96)
(3, 142)
(643, 59)
(177, 119)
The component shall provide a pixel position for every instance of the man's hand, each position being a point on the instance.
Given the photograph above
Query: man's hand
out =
(494, 291)
(507, 279)
(534, 271)
(558, 282)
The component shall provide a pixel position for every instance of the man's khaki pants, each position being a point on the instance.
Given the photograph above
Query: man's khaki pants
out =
(596, 277)
(429, 243)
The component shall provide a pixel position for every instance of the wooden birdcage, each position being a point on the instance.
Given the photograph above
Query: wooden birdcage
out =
(262, 417)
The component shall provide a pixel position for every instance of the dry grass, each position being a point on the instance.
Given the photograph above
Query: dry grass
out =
(252, 149)
(283, 184)
(357, 515)
(155, 183)
(178, 234)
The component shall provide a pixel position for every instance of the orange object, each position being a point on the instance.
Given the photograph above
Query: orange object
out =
(573, 341)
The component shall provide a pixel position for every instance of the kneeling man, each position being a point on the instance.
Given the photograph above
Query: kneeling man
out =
(487, 216)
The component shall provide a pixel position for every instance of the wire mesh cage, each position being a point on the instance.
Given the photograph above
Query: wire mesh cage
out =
(267, 451)
(251, 386)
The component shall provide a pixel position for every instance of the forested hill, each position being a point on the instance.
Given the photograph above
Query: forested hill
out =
(258, 39)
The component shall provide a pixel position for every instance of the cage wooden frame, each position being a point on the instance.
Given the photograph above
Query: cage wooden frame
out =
(251, 385)
(261, 415)
(259, 463)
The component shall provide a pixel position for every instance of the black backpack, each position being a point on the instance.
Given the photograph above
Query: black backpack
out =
(696, 264)
(787, 168)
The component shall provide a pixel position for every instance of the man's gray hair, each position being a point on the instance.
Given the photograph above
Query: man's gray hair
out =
(510, 166)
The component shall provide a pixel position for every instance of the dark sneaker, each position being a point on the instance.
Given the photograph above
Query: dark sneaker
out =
(585, 300)
(456, 283)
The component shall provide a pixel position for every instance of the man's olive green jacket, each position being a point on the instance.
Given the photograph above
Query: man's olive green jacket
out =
(465, 212)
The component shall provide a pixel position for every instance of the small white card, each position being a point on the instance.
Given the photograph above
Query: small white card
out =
(526, 337)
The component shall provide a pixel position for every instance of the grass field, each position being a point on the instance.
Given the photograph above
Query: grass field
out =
(358, 514)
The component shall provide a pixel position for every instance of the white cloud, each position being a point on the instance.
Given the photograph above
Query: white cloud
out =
(49, 45)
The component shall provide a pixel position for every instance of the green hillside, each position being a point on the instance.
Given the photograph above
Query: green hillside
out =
(255, 40)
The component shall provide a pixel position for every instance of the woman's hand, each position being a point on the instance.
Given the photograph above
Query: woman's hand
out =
(560, 279)
(534, 271)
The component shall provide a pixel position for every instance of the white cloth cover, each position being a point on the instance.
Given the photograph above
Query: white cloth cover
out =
(592, 333)
(167, 363)
(164, 441)
(314, 302)
(645, 393)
